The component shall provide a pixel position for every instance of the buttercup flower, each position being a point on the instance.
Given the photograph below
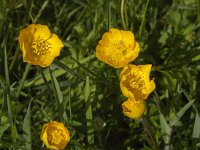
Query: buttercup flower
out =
(133, 109)
(117, 48)
(135, 83)
(55, 135)
(38, 45)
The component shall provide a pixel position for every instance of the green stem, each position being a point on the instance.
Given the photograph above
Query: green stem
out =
(59, 105)
(109, 15)
(122, 14)
(143, 19)
(14, 59)
(7, 97)
(42, 8)
(46, 83)
(149, 132)
(28, 66)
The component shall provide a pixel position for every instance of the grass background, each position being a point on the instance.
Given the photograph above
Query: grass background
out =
(83, 92)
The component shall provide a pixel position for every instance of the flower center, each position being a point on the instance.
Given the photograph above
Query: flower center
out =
(136, 84)
(40, 46)
(56, 137)
(121, 47)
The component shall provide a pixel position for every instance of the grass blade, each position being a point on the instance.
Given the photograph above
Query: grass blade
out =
(89, 115)
(28, 66)
(27, 128)
(196, 129)
(166, 131)
(56, 87)
(178, 116)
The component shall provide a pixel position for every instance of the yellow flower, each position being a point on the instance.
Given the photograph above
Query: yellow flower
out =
(133, 109)
(39, 46)
(135, 83)
(55, 135)
(117, 48)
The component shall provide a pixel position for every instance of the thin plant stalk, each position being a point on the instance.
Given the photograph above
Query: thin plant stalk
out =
(122, 14)
(143, 19)
(149, 132)
(8, 100)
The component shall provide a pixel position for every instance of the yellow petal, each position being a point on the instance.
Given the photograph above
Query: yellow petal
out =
(39, 30)
(125, 90)
(133, 109)
(136, 50)
(43, 136)
(152, 86)
(146, 69)
(128, 36)
(107, 39)
(56, 45)
(45, 60)
(24, 41)
(53, 147)
(116, 34)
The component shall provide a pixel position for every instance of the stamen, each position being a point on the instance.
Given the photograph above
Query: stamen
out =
(40, 46)
(56, 137)
(121, 47)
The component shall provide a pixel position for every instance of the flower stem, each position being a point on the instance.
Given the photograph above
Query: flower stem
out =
(14, 60)
(122, 14)
(149, 132)
(46, 83)
(143, 19)
(7, 98)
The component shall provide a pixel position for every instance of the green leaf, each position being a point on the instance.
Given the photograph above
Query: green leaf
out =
(165, 129)
(3, 128)
(27, 128)
(196, 129)
(89, 115)
(87, 89)
(57, 90)
(66, 68)
(178, 116)
(76, 123)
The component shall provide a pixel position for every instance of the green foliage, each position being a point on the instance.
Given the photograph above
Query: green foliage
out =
(83, 92)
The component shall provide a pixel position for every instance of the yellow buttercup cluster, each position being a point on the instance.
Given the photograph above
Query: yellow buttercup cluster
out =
(118, 48)
(136, 86)
(39, 46)
(55, 135)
